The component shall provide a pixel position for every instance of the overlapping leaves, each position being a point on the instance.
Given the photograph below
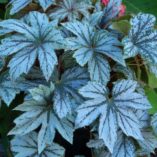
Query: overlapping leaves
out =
(48, 105)
(116, 112)
(124, 147)
(90, 45)
(150, 140)
(38, 111)
(39, 40)
(17, 5)
(28, 146)
(9, 88)
(35, 40)
(66, 96)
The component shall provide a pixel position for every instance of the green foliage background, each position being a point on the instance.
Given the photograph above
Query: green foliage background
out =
(147, 6)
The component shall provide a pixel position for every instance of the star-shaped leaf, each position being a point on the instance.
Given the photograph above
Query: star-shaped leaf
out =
(38, 111)
(116, 112)
(142, 38)
(39, 40)
(89, 43)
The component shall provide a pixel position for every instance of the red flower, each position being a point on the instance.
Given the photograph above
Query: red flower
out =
(122, 10)
(105, 2)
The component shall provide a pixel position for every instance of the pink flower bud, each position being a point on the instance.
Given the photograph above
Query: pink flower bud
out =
(105, 2)
(122, 10)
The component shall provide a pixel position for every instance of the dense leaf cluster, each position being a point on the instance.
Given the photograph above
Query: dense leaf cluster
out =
(77, 66)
